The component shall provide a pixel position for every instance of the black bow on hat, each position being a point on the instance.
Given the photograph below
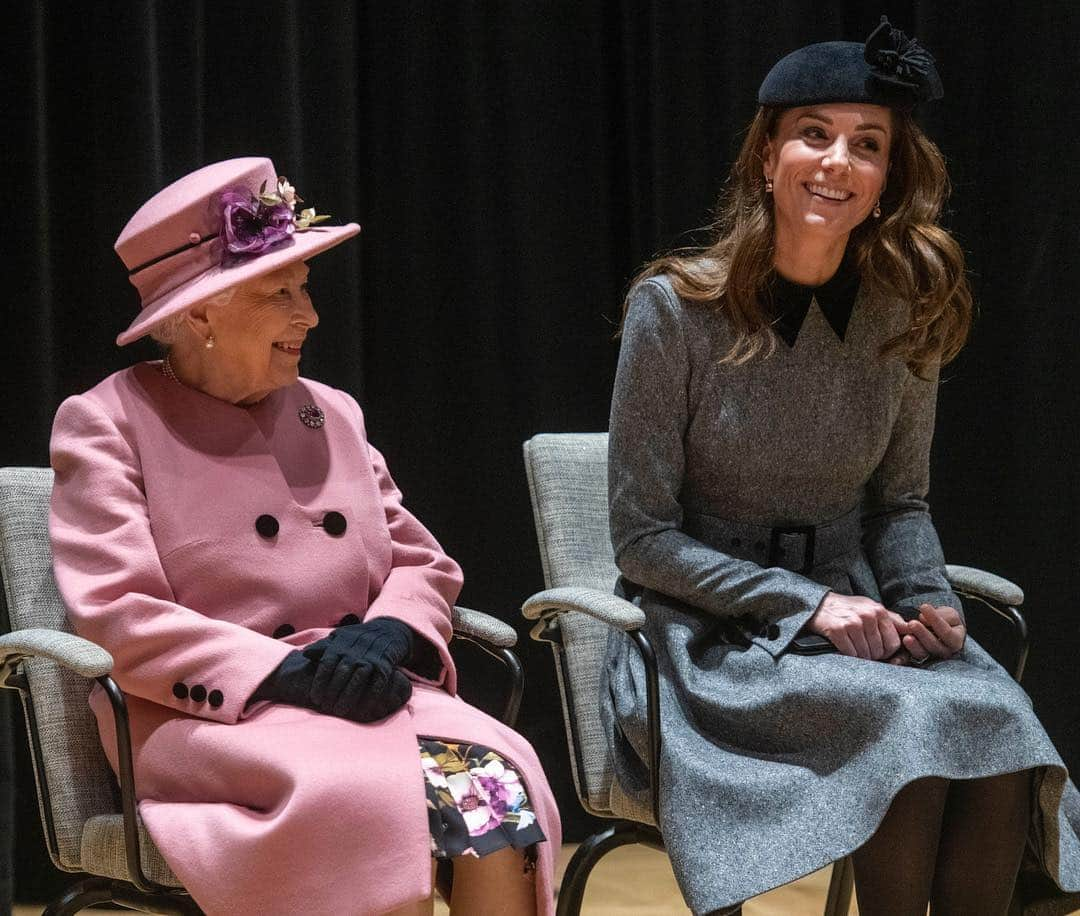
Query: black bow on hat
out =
(902, 62)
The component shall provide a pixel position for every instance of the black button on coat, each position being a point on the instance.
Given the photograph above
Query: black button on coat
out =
(267, 526)
(334, 523)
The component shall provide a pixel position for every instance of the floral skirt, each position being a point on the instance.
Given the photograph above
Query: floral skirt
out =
(476, 802)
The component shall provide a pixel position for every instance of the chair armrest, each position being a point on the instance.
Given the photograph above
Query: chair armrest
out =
(478, 625)
(91, 661)
(985, 585)
(80, 655)
(603, 606)
(495, 637)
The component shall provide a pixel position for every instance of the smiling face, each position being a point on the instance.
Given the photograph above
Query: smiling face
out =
(259, 333)
(828, 164)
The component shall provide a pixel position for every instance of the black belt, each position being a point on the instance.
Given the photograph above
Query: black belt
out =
(796, 547)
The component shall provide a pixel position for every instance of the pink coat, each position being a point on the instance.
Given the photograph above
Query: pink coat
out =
(272, 809)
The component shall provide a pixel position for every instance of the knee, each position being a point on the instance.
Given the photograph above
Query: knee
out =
(499, 867)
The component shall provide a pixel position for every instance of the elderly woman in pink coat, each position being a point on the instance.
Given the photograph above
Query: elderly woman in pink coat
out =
(279, 621)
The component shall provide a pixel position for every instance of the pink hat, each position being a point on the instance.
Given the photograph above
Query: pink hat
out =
(211, 230)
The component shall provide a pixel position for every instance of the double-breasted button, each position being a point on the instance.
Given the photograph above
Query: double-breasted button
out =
(286, 629)
(772, 631)
(215, 698)
(267, 526)
(759, 546)
(348, 620)
(179, 690)
(198, 693)
(334, 523)
(736, 542)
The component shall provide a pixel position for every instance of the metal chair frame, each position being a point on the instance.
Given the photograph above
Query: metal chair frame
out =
(140, 893)
(623, 832)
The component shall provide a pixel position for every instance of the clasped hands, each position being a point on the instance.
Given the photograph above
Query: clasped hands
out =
(352, 673)
(864, 628)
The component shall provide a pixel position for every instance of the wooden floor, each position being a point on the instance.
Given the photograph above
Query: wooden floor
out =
(637, 881)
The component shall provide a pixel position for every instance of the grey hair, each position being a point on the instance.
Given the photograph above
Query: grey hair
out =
(166, 331)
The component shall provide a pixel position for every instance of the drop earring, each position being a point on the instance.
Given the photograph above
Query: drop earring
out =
(210, 342)
(877, 210)
(768, 186)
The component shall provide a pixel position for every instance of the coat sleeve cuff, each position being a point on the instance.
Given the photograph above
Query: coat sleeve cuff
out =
(224, 698)
(781, 630)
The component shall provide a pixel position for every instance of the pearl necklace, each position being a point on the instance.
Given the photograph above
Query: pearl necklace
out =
(170, 373)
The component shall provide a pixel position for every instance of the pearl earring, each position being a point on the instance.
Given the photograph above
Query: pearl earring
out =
(210, 342)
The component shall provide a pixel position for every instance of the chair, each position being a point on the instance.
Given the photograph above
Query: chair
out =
(567, 476)
(91, 823)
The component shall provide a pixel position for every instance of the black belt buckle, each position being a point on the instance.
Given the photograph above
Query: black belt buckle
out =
(807, 531)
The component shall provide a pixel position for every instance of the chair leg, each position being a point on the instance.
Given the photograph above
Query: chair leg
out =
(838, 902)
(572, 889)
(104, 890)
(79, 896)
(164, 904)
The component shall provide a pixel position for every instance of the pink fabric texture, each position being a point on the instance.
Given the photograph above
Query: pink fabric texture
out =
(272, 809)
(188, 209)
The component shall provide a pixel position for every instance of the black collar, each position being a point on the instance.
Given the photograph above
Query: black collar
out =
(790, 302)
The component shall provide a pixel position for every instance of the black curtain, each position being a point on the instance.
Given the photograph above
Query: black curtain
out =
(512, 165)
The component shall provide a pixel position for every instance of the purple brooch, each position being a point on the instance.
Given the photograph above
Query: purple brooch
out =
(312, 417)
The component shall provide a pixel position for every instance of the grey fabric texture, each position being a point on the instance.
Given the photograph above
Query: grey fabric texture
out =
(7, 805)
(607, 608)
(694, 437)
(80, 655)
(103, 851)
(769, 757)
(467, 622)
(80, 783)
(985, 584)
(567, 476)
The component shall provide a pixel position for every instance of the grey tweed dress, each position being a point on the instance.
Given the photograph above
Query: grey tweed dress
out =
(774, 763)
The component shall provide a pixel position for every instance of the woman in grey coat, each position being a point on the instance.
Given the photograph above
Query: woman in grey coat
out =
(769, 469)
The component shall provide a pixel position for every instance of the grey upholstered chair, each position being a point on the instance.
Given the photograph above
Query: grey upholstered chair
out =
(567, 476)
(91, 823)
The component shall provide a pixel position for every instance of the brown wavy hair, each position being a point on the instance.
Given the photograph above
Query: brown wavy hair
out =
(905, 252)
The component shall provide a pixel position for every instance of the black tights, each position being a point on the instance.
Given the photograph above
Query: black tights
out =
(956, 845)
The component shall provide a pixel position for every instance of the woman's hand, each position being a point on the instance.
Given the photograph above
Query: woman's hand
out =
(357, 674)
(939, 632)
(858, 626)
(901, 659)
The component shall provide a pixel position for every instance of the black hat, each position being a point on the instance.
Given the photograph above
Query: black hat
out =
(890, 69)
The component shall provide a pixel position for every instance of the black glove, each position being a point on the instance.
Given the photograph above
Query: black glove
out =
(357, 674)
(290, 682)
(363, 692)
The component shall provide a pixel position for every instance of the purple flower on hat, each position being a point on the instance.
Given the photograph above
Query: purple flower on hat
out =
(250, 225)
